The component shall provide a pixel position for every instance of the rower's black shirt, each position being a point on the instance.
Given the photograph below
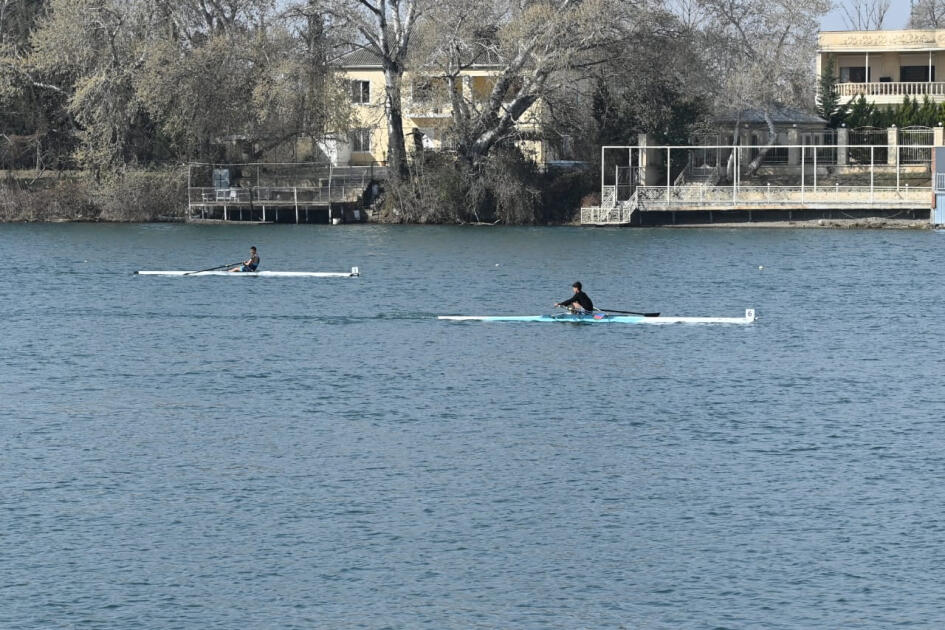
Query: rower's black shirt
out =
(581, 299)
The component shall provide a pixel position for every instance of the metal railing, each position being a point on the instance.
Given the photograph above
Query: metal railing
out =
(608, 196)
(428, 107)
(618, 214)
(341, 191)
(908, 88)
(868, 145)
(914, 145)
(661, 198)
(939, 182)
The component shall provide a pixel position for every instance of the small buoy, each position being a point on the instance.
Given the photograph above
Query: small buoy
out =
(497, 264)
(761, 266)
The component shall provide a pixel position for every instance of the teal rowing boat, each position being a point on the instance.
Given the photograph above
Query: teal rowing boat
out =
(602, 318)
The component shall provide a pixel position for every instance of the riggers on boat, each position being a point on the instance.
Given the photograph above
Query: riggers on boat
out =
(257, 274)
(597, 317)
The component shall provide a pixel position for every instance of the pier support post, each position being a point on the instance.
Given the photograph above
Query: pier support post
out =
(892, 141)
(649, 159)
(794, 153)
(843, 140)
(803, 173)
(669, 173)
(295, 196)
(190, 208)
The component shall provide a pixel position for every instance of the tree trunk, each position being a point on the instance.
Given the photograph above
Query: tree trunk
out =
(772, 140)
(396, 144)
(730, 166)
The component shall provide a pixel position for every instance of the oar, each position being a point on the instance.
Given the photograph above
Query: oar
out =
(215, 268)
(608, 310)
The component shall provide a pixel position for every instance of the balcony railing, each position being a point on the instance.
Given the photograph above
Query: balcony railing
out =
(911, 88)
(432, 108)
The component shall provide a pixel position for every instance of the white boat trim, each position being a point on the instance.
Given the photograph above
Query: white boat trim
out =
(256, 274)
(610, 319)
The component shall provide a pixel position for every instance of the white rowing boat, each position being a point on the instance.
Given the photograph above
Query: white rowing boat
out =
(257, 274)
(602, 318)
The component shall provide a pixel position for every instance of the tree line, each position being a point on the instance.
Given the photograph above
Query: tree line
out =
(105, 86)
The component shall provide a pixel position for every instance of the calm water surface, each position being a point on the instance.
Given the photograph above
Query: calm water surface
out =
(263, 453)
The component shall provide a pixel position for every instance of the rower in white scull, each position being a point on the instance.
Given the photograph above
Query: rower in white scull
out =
(250, 264)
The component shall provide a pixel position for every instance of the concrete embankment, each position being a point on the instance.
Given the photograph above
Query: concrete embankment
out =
(898, 218)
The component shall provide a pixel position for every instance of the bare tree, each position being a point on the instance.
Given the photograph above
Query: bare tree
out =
(865, 15)
(927, 14)
(535, 49)
(691, 13)
(762, 51)
(386, 28)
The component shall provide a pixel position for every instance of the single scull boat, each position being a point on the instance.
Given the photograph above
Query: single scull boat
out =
(257, 274)
(603, 318)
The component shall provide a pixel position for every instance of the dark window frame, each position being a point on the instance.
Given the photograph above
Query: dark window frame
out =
(360, 139)
(360, 92)
(855, 74)
(917, 71)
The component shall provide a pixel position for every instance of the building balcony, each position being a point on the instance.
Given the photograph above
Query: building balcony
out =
(442, 108)
(889, 93)
(428, 109)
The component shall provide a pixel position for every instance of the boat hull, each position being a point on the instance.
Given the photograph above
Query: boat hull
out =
(602, 318)
(255, 274)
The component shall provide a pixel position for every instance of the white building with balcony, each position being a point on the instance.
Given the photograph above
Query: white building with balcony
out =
(885, 66)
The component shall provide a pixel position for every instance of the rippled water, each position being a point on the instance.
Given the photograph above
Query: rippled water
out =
(263, 453)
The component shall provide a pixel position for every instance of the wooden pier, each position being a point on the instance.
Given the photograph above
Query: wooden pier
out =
(316, 194)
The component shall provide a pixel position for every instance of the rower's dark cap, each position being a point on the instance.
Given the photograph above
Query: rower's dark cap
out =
(576, 285)
(252, 247)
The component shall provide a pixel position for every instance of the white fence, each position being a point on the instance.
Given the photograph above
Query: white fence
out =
(873, 178)
(699, 197)
(908, 88)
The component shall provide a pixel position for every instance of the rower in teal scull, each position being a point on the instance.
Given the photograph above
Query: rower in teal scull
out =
(579, 301)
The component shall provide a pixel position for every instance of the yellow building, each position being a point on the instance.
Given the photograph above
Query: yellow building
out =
(885, 66)
(426, 107)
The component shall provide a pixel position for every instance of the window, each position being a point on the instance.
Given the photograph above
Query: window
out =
(853, 75)
(361, 92)
(915, 73)
(361, 140)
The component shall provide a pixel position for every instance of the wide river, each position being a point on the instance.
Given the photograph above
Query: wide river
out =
(245, 453)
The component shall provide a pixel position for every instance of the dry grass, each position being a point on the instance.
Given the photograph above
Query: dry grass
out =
(133, 196)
